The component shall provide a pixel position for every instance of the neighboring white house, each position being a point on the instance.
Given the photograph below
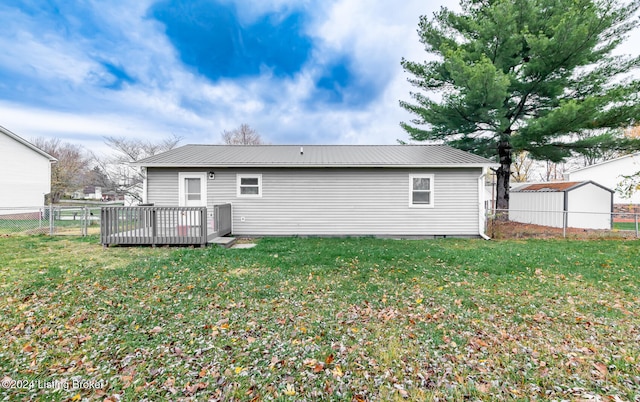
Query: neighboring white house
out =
(609, 174)
(328, 190)
(25, 173)
(588, 204)
(88, 193)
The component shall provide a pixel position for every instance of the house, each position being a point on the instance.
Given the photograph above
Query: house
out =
(326, 190)
(588, 205)
(610, 173)
(88, 193)
(25, 173)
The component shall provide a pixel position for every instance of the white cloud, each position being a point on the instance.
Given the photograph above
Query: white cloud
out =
(168, 97)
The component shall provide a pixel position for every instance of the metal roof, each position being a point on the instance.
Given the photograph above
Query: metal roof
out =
(597, 165)
(315, 156)
(27, 144)
(555, 187)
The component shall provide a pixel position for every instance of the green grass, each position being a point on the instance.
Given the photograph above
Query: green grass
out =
(624, 226)
(323, 319)
(30, 226)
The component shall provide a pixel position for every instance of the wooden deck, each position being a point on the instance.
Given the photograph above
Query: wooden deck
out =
(153, 226)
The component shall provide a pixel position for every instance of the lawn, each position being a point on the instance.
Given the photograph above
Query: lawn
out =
(624, 225)
(320, 319)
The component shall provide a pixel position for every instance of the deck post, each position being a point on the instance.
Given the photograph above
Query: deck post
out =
(154, 227)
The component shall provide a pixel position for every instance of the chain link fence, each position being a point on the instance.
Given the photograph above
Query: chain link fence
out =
(503, 223)
(51, 220)
(85, 220)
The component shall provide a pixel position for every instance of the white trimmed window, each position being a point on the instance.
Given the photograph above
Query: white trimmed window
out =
(421, 190)
(249, 185)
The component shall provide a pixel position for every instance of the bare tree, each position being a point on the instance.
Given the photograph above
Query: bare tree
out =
(125, 180)
(131, 150)
(630, 184)
(243, 135)
(553, 171)
(68, 173)
(521, 167)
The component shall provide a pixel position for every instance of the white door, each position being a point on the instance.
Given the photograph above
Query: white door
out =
(192, 193)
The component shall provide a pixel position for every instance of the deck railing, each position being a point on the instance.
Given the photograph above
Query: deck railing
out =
(221, 220)
(153, 225)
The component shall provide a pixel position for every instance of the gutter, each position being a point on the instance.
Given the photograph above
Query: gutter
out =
(481, 210)
(301, 166)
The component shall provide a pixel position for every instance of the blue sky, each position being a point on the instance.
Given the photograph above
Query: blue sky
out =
(297, 71)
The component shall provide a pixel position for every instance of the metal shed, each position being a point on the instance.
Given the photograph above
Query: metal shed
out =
(576, 204)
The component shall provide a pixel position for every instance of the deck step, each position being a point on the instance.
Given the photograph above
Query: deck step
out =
(225, 242)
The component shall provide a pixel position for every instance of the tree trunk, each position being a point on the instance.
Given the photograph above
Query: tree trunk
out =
(503, 175)
(56, 195)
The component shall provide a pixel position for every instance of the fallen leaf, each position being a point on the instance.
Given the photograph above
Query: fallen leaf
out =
(84, 339)
(126, 380)
(403, 392)
(290, 390)
(169, 382)
(192, 389)
(329, 359)
(477, 342)
(602, 368)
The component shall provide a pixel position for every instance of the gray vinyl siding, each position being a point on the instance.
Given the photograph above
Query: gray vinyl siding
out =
(336, 201)
(162, 187)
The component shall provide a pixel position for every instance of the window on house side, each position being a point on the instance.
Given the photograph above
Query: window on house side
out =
(421, 190)
(249, 185)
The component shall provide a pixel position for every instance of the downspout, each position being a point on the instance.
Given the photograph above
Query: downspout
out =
(51, 163)
(613, 215)
(144, 185)
(481, 209)
(565, 214)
